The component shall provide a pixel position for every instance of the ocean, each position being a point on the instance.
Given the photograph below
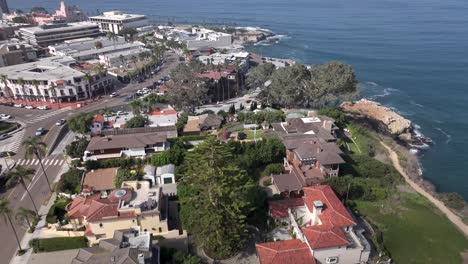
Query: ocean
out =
(409, 55)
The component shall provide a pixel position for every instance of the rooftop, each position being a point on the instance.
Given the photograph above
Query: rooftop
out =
(100, 179)
(288, 251)
(125, 141)
(117, 15)
(51, 28)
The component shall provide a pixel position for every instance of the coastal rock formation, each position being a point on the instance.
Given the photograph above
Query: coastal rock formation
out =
(396, 124)
(250, 36)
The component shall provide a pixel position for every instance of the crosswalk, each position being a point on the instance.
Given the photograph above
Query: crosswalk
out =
(37, 118)
(45, 162)
(13, 143)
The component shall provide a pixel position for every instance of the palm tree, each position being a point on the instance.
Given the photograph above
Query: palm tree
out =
(4, 79)
(87, 77)
(26, 215)
(136, 106)
(111, 36)
(5, 211)
(21, 82)
(101, 70)
(134, 59)
(22, 175)
(37, 148)
(36, 85)
(52, 90)
(123, 60)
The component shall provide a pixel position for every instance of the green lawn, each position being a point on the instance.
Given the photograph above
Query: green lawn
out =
(250, 134)
(57, 243)
(6, 127)
(414, 232)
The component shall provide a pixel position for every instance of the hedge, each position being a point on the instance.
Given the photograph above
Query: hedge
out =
(57, 243)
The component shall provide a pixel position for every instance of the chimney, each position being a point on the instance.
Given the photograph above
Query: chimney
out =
(141, 258)
(318, 206)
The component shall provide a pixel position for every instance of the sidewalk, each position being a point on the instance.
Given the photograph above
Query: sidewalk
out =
(73, 105)
(40, 228)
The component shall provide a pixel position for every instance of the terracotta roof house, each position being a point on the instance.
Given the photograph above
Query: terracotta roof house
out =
(322, 225)
(100, 180)
(125, 145)
(196, 125)
(126, 246)
(320, 126)
(162, 117)
(135, 205)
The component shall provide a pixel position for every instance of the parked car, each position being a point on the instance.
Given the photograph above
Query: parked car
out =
(114, 94)
(121, 113)
(60, 122)
(18, 105)
(4, 136)
(5, 116)
(40, 131)
(8, 104)
(4, 154)
(29, 107)
(43, 107)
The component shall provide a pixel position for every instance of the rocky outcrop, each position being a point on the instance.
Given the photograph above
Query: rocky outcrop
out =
(396, 124)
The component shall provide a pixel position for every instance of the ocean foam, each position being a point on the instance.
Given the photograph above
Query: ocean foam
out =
(447, 135)
(416, 104)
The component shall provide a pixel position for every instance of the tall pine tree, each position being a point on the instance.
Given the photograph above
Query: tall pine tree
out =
(214, 199)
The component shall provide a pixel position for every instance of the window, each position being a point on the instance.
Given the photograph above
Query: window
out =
(160, 230)
(100, 225)
(331, 260)
(31, 91)
(70, 92)
(62, 93)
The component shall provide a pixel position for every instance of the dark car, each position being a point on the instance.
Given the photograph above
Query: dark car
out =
(4, 136)
(8, 104)
(4, 154)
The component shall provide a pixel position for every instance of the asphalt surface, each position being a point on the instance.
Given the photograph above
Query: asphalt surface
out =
(33, 119)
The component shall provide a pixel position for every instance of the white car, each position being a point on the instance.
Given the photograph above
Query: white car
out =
(114, 94)
(5, 116)
(29, 107)
(120, 113)
(43, 107)
(18, 105)
(60, 122)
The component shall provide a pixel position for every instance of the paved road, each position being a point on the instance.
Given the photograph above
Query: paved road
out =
(31, 121)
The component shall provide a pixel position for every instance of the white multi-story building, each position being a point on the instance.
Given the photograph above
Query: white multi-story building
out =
(55, 79)
(115, 21)
(50, 34)
(208, 38)
(124, 57)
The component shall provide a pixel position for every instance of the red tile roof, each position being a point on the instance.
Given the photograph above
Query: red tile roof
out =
(88, 231)
(323, 236)
(98, 119)
(279, 208)
(166, 111)
(289, 251)
(212, 75)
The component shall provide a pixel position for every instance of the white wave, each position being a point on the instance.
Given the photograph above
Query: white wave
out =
(447, 135)
(371, 83)
(416, 104)
(255, 28)
(280, 37)
(414, 151)
(386, 92)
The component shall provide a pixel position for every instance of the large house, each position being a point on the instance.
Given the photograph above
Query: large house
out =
(125, 145)
(323, 231)
(198, 125)
(115, 21)
(136, 205)
(320, 126)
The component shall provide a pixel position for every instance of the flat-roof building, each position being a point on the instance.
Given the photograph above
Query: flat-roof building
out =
(49, 34)
(115, 21)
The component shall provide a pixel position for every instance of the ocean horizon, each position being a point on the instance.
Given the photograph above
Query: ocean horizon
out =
(409, 56)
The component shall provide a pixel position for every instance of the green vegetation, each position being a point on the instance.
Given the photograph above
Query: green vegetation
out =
(112, 163)
(70, 181)
(254, 134)
(77, 147)
(136, 121)
(269, 116)
(6, 127)
(160, 159)
(80, 123)
(296, 86)
(214, 198)
(453, 200)
(181, 121)
(170, 255)
(413, 231)
(126, 175)
(57, 212)
(57, 243)
(274, 168)
(336, 114)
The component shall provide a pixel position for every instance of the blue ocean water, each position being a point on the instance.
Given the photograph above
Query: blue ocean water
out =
(409, 55)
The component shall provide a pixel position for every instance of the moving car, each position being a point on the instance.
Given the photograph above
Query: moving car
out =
(60, 122)
(43, 107)
(29, 107)
(18, 105)
(5, 116)
(40, 131)
(4, 154)
(114, 94)
(4, 136)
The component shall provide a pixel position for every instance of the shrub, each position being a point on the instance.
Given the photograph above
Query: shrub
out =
(77, 148)
(70, 181)
(160, 159)
(137, 121)
(110, 163)
(267, 182)
(125, 175)
(274, 168)
(57, 243)
(241, 136)
(57, 211)
(453, 200)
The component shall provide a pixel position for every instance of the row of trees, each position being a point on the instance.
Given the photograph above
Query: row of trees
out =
(299, 86)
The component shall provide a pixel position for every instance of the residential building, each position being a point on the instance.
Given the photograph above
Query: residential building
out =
(12, 53)
(50, 34)
(160, 175)
(85, 48)
(208, 38)
(126, 145)
(99, 181)
(320, 126)
(198, 125)
(162, 117)
(115, 21)
(124, 58)
(7, 29)
(324, 231)
(34, 81)
(128, 246)
(136, 205)
(241, 59)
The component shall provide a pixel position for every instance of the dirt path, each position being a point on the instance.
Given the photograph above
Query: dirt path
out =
(440, 205)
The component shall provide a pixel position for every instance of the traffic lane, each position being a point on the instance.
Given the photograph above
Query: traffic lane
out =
(47, 138)
(21, 114)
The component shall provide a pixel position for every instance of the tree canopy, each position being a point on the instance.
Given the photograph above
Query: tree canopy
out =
(136, 121)
(80, 123)
(259, 75)
(213, 197)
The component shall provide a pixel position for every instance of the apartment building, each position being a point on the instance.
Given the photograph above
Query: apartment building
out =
(115, 21)
(12, 53)
(58, 32)
(136, 205)
(54, 79)
(208, 38)
(323, 231)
